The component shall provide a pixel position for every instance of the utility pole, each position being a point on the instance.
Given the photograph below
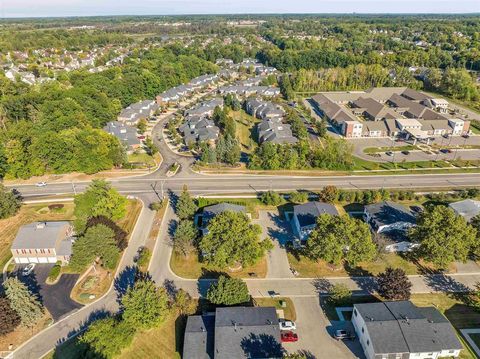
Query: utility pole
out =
(74, 189)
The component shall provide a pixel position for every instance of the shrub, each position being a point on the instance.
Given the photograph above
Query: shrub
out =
(228, 291)
(298, 197)
(55, 272)
(271, 198)
(340, 294)
(144, 258)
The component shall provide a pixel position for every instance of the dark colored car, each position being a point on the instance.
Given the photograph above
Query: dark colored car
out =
(289, 337)
(416, 209)
(445, 150)
(389, 153)
(406, 153)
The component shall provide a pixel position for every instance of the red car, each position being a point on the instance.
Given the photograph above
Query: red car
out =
(289, 337)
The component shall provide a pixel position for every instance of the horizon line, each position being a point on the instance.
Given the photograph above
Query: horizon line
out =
(355, 13)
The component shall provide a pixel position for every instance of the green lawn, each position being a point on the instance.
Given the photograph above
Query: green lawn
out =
(245, 129)
(288, 311)
(142, 158)
(308, 268)
(394, 149)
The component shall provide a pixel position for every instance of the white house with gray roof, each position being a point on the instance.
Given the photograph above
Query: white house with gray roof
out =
(43, 242)
(401, 330)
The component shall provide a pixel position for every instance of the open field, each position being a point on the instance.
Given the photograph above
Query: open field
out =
(245, 129)
(27, 214)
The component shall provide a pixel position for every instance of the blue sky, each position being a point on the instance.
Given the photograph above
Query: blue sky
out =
(32, 8)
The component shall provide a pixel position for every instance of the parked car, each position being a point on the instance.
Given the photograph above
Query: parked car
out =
(28, 270)
(289, 337)
(406, 153)
(287, 325)
(416, 209)
(466, 135)
(389, 153)
(446, 150)
(344, 334)
(446, 135)
(41, 184)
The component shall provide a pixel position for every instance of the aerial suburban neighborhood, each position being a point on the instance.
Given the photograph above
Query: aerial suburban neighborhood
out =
(243, 186)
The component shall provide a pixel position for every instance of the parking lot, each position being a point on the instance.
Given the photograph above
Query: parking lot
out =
(315, 333)
(360, 144)
(56, 298)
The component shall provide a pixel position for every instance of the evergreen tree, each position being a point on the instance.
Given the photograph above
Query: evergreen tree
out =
(22, 301)
(9, 318)
(186, 206)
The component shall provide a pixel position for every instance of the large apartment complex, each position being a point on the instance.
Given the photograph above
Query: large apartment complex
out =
(390, 112)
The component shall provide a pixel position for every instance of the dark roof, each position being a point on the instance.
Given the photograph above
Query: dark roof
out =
(401, 327)
(386, 212)
(199, 337)
(307, 213)
(215, 209)
(247, 332)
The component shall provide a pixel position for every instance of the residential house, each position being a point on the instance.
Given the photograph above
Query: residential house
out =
(305, 216)
(468, 208)
(389, 330)
(198, 129)
(43, 242)
(126, 134)
(137, 111)
(273, 130)
(392, 220)
(234, 332)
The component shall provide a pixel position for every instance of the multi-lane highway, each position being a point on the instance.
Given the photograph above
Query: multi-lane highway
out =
(228, 184)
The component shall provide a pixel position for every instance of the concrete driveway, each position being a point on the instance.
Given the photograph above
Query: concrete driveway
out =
(314, 333)
(278, 230)
(56, 298)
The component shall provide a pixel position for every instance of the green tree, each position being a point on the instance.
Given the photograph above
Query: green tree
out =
(9, 318)
(228, 291)
(184, 237)
(298, 197)
(328, 194)
(144, 305)
(9, 203)
(186, 207)
(98, 242)
(271, 198)
(100, 199)
(340, 294)
(231, 239)
(106, 338)
(321, 128)
(184, 302)
(444, 237)
(340, 238)
(23, 301)
(286, 88)
(142, 126)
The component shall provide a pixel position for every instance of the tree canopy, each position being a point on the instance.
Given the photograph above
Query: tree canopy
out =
(228, 291)
(9, 318)
(9, 203)
(100, 199)
(393, 284)
(231, 239)
(98, 241)
(444, 237)
(23, 301)
(340, 238)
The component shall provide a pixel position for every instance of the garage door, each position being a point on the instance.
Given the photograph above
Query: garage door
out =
(52, 259)
(42, 260)
(21, 260)
(32, 260)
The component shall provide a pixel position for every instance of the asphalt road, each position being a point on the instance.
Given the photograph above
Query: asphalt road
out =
(218, 184)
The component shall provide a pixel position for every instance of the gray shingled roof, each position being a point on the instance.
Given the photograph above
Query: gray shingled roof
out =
(199, 337)
(213, 210)
(307, 213)
(401, 327)
(387, 212)
(467, 208)
(247, 332)
(40, 235)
